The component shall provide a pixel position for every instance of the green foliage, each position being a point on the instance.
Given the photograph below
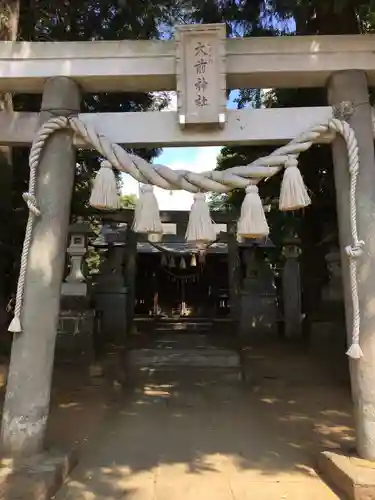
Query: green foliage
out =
(86, 20)
(311, 17)
(128, 200)
(93, 20)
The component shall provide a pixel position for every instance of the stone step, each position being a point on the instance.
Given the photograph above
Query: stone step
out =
(179, 377)
(202, 358)
(182, 326)
(173, 341)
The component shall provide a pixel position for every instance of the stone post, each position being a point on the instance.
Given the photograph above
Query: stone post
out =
(27, 399)
(111, 291)
(348, 90)
(333, 293)
(258, 313)
(233, 271)
(130, 274)
(291, 285)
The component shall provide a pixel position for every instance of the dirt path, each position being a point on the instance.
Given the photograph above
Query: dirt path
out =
(235, 442)
(176, 440)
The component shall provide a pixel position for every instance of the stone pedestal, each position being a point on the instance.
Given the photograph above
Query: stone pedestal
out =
(327, 334)
(111, 305)
(75, 333)
(258, 315)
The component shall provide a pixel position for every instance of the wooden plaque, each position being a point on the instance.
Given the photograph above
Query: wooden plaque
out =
(201, 75)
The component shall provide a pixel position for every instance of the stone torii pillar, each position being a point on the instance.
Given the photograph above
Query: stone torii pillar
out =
(27, 399)
(348, 93)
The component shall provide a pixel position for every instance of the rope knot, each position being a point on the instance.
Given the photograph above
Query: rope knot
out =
(291, 162)
(105, 164)
(147, 188)
(199, 196)
(355, 251)
(252, 188)
(30, 201)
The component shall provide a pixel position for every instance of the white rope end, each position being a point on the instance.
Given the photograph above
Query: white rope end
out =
(355, 351)
(200, 227)
(15, 325)
(146, 213)
(293, 193)
(252, 222)
(104, 195)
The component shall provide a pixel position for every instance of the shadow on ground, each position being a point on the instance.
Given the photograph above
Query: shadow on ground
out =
(173, 434)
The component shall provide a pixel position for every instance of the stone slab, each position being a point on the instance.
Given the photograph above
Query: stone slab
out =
(352, 476)
(203, 358)
(36, 478)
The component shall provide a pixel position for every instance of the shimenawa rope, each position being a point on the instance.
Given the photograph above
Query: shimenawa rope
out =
(221, 182)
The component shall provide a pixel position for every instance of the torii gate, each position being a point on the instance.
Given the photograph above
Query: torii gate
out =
(343, 64)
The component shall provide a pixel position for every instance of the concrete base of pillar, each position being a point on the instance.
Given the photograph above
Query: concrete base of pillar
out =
(75, 335)
(36, 478)
(352, 477)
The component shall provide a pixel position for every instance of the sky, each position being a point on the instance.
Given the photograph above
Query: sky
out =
(194, 159)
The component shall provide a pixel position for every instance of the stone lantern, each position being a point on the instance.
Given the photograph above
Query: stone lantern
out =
(75, 283)
(74, 341)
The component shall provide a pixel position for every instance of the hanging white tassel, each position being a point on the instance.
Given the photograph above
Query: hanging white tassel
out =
(172, 262)
(355, 351)
(200, 228)
(252, 222)
(193, 261)
(104, 195)
(146, 213)
(293, 194)
(182, 263)
(15, 325)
